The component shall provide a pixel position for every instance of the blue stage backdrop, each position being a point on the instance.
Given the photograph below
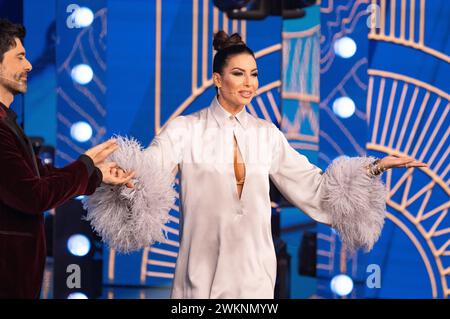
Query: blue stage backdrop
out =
(398, 79)
(77, 101)
(300, 124)
(343, 81)
(40, 101)
(408, 109)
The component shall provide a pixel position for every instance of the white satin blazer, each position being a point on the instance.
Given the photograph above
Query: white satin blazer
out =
(226, 248)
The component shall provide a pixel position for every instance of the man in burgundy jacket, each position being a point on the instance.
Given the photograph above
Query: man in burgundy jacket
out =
(28, 188)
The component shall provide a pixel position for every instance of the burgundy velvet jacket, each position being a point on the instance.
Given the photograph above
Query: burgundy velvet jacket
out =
(27, 189)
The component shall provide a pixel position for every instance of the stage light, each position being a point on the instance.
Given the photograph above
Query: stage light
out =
(82, 74)
(46, 157)
(80, 198)
(344, 107)
(77, 295)
(75, 243)
(81, 131)
(341, 285)
(345, 47)
(83, 17)
(78, 245)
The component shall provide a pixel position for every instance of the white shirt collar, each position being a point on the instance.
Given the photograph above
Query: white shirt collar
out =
(223, 116)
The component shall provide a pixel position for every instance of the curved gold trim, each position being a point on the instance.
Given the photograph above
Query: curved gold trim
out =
(419, 248)
(160, 274)
(111, 264)
(408, 79)
(409, 43)
(328, 9)
(300, 97)
(161, 263)
(380, 35)
(388, 115)
(274, 106)
(416, 221)
(268, 87)
(300, 34)
(145, 253)
(268, 50)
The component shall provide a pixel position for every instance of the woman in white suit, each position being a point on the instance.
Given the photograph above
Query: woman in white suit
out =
(225, 157)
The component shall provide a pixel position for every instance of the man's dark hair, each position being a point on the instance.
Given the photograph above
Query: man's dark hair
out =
(8, 32)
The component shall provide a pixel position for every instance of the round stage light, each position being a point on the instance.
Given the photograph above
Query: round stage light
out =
(82, 74)
(78, 245)
(81, 197)
(83, 17)
(345, 47)
(344, 107)
(341, 285)
(46, 157)
(77, 295)
(81, 131)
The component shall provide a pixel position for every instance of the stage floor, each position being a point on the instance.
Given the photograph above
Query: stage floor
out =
(108, 292)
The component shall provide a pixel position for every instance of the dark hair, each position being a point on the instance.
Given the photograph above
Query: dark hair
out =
(8, 33)
(226, 47)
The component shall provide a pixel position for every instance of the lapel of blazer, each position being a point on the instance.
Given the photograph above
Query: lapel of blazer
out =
(26, 145)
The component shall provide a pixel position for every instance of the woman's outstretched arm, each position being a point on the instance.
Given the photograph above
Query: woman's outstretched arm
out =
(348, 196)
(127, 218)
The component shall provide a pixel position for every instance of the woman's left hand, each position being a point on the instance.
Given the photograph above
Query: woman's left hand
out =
(114, 175)
(400, 161)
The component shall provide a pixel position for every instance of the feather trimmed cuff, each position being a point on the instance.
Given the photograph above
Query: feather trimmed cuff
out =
(131, 219)
(355, 201)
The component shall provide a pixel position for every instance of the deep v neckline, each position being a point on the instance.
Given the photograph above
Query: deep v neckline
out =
(240, 171)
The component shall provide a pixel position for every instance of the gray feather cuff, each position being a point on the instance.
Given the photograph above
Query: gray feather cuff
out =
(355, 201)
(131, 219)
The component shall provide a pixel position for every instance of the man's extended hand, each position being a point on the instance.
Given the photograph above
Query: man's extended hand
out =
(101, 151)
(112, 177)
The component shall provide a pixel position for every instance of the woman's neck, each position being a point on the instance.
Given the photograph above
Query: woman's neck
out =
(232, 109)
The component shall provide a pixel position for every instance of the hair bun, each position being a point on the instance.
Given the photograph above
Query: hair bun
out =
(222, 40)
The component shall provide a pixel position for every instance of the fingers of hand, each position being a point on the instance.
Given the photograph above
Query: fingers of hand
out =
(125, 179)
(405, 161)
(100, 147)
(417, 164)
(100, 152)
(123, 174)
(114, 172)
(109, 143)
(111, 165)
(414, 163)
(107, 151)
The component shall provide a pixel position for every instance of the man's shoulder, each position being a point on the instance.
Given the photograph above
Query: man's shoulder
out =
(5, 128)
(7, 135)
